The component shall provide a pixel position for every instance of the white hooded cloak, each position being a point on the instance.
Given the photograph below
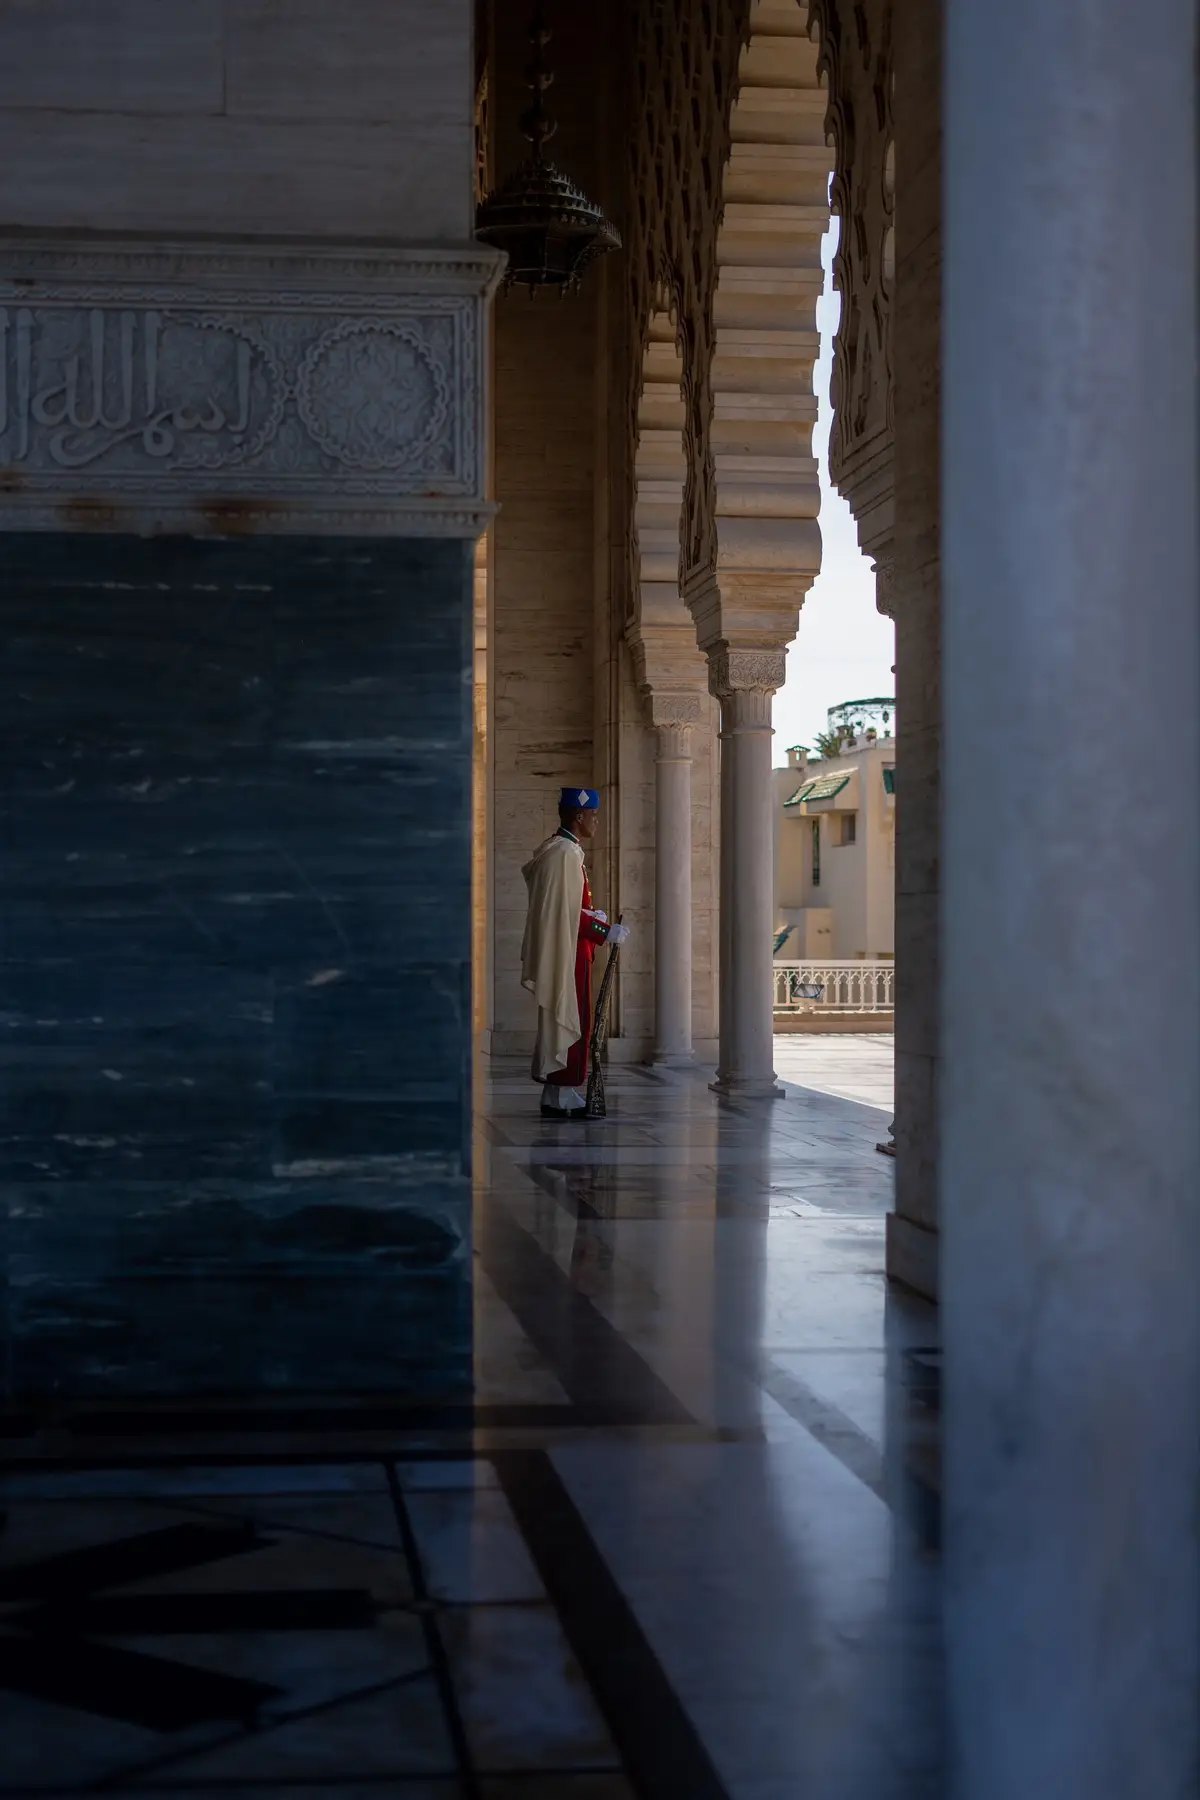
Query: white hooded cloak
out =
(554, 878)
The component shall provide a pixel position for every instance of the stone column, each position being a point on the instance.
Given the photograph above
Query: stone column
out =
(673, 881)
(744, 681)
(752, 545)
(911, 584)
(1070, 1129)
(883, 566)
(668, 670)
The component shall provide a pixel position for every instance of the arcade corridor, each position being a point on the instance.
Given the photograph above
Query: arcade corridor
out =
(687, 1550)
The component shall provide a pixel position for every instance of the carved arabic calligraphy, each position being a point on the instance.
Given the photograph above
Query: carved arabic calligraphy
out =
(226, 397)
(202, 393)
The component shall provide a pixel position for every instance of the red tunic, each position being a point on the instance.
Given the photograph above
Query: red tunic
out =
(591, 933)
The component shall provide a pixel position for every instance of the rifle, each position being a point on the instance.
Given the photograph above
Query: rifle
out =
(594, 1107)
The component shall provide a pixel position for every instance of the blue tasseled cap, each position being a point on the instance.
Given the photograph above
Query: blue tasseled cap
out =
(579, 799)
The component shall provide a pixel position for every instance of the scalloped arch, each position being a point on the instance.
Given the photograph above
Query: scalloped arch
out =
(855, 57)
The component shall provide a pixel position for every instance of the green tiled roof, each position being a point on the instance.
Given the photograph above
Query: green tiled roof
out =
(824, 787)
(889, 781)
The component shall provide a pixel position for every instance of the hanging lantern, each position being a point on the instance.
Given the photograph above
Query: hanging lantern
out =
(547, 227)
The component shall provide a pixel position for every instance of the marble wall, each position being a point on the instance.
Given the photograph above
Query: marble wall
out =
(234, 963)
(232, 116)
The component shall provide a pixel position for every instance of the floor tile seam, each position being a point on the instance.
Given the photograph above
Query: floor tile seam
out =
(827, 1425)
(633, 1270)
(264, 1785)
(551, 1351)
(181, 1503)
(265, 1459)
(586, 1420)
(466, 1417)
(435, 1647)
(814, 1095)
(645, 1289)
(534, 1484)
(137, 1772)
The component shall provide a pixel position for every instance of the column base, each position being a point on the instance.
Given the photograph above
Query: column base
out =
(746, 1087)
(673, 1059)
(912, 1255)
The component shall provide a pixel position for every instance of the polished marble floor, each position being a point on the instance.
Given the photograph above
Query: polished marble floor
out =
(683, 1547)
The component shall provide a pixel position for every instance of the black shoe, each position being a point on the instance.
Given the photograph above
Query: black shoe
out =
(558, 1112)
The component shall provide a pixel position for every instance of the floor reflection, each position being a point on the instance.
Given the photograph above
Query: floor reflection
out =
(683, 1542)
(778, 1549)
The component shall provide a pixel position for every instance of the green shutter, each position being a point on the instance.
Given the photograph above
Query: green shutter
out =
(824, 787)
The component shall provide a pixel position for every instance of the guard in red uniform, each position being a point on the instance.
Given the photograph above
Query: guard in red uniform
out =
(562, 932)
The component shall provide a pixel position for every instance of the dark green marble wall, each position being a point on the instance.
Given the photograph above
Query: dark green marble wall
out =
(234, 966)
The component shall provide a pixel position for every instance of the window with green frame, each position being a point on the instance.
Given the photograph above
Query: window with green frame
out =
(816, 852)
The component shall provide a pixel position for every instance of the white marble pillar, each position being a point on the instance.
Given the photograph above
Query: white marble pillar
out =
(744, 681)
(1070, 1121)
(673, 894)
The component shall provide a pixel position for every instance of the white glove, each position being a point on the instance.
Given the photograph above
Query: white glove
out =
(597, 913)
(617, 934)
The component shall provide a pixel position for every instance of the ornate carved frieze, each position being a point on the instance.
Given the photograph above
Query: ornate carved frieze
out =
(220, 388)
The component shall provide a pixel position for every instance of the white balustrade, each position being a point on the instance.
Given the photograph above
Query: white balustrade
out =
(834, 987)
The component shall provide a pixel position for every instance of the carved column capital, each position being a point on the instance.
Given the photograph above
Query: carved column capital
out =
(670, 673)
(674, 742)
(734, 671)
(744, 681)
(674, 710)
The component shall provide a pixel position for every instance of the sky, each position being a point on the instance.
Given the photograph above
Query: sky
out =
(844, 648)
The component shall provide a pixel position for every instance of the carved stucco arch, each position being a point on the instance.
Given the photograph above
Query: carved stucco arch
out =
(659, 466)
(685, 62)
(856, 61)
(729, 204)
(667, 664)
(766, 544)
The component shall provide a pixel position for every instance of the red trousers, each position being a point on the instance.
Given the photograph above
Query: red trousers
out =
(575, 1073)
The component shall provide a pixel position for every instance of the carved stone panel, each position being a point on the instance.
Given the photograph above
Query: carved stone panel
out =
(215, 388)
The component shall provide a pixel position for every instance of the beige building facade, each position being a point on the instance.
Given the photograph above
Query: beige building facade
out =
(835, 853)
